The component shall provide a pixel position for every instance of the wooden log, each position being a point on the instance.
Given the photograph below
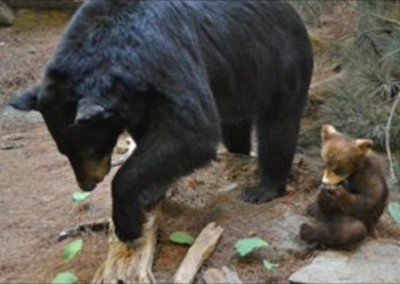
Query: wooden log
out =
(130, 263)
(203, 246)
(224, 275)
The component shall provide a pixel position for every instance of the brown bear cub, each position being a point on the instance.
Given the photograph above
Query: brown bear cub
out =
(353, 194)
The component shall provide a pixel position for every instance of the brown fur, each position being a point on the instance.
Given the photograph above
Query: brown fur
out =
(353, 195)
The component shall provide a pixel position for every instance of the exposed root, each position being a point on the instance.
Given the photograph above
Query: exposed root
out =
(130, 263)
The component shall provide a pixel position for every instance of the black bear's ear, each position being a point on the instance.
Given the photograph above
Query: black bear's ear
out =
(89, 111)
(27, 100)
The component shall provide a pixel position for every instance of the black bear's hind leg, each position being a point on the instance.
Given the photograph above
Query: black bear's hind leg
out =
(237, 137)
(277, 136)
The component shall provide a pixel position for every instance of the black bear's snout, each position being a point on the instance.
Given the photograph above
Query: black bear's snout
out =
(89, 173)
(88, 185)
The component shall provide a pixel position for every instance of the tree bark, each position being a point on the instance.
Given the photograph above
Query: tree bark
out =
(45, 4)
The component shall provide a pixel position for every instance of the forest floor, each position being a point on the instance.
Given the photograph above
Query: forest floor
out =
(36, 184)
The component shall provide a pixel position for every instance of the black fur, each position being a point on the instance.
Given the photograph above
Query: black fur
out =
(178, 76)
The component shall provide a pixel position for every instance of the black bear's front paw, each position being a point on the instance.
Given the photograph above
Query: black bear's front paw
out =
(261, 194)
(128, 234)
(129, 226)
(307, 232)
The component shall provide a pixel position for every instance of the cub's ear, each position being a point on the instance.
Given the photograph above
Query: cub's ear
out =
(326, 132)
(89, 111)
(364, 145)
(27, 100)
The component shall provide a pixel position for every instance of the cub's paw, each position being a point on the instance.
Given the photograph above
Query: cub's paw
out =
(312, 210)
(328, 198)
(307, 233)
(334, 190)
(261, 194)
(339, 192)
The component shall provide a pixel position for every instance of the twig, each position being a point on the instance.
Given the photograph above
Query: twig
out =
(387, 136)
(96, 226)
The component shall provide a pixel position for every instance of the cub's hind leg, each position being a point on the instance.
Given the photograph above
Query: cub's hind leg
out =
(343, 232)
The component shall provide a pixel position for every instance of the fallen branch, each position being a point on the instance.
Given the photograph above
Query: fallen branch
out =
(224, 275)
(130, 263)
(198, 253)
(387, 140)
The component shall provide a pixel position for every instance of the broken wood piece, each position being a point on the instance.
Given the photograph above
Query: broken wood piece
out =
(96, 226)
(224, 275)
(130, 263)
(131, 146)
(203, 246)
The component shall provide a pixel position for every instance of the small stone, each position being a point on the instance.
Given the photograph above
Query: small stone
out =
(285, 230)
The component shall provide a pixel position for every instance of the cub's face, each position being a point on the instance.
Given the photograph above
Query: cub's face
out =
(82, 129)
(340, 154)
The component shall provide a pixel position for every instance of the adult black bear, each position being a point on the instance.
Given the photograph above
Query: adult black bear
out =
(178, 76)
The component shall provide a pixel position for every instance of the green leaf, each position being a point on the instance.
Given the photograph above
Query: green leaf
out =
(181, 238)
(246, 246)
(65, 278)
(269, 265)
(72, 249)
(394, 210)
(80, 196)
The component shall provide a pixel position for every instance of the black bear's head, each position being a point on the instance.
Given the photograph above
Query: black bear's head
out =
(84, 127)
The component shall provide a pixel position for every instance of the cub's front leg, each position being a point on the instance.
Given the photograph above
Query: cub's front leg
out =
(333, 199)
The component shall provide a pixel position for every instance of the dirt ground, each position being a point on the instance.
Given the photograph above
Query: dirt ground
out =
(36, 184)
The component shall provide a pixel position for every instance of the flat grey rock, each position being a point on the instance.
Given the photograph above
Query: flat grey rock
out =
(7, 16)
(286, 230)
(372, 262)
